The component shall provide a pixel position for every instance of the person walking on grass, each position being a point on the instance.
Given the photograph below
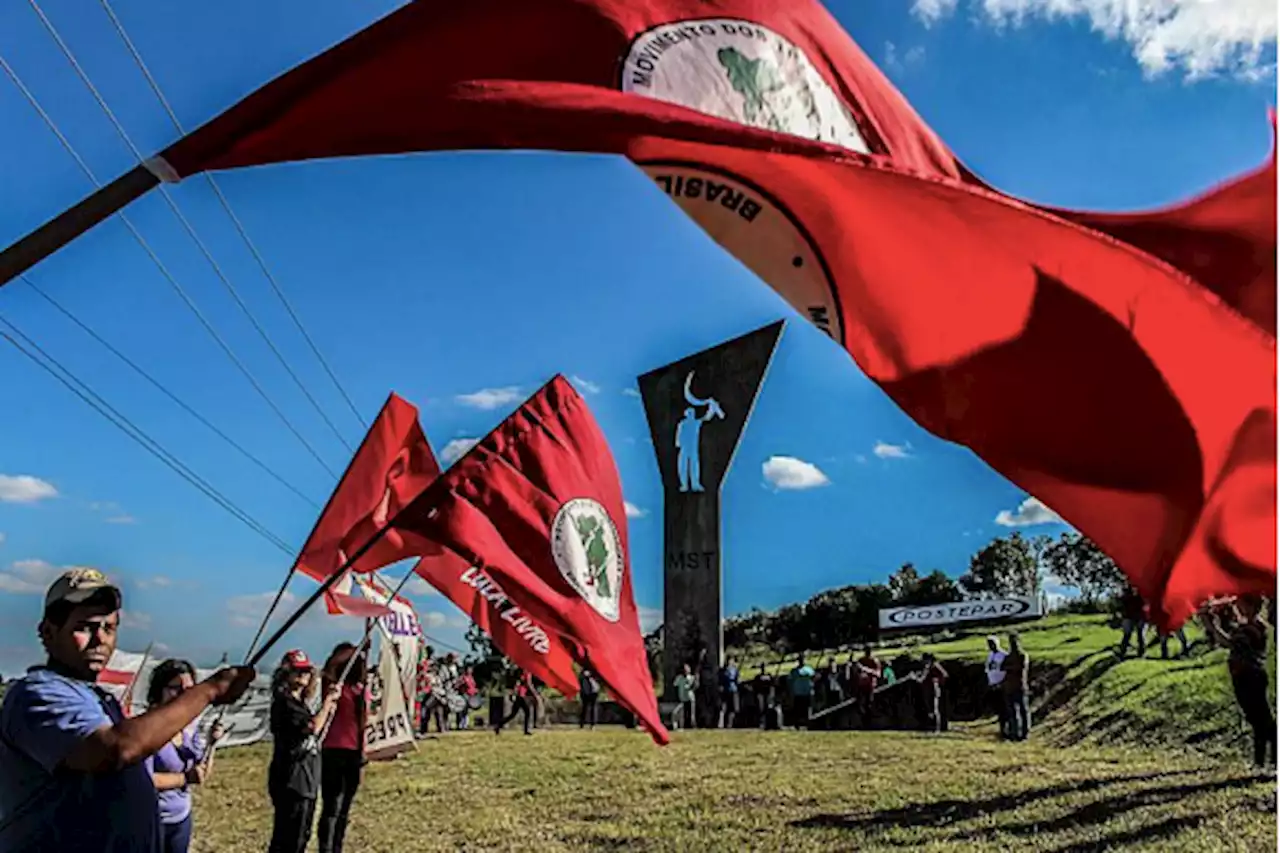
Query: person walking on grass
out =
(588, 695)
(1016, 666)
(995, 680)
(342, 757)
(178, 764)
(729, 693)
(801, 683)
(932, 679)
(72, 771)
(522, 699)
(1132, 621)
(686, 685)
(293, 777)
(1247, 663)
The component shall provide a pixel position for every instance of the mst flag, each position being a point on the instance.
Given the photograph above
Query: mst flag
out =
(390, 468)
(517, 635)
(537, 505)
(773, 131)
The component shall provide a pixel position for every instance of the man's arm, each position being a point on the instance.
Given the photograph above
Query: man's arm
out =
(114, 747)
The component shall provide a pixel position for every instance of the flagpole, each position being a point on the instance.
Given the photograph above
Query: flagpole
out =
(360, 649)
(128, 692)
(74, 221)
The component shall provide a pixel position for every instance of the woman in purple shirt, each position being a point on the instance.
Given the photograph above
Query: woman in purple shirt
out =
(179, 763)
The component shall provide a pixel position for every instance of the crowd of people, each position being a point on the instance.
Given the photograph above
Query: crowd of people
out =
(78, 774)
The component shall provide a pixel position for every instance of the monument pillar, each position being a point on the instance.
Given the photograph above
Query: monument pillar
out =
(697, 409)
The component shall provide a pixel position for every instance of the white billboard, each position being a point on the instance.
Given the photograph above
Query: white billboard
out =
(936, 615)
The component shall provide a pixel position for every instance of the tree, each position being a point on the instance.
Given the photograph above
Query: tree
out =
(909, 589)
(1006, 566)
(489, 666)
(903, 582)
(1077, 561)
(786, 631)
(747, 629)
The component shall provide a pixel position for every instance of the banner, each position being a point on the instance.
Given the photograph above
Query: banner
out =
(389, 730)
(1010, 607)
(399, 627)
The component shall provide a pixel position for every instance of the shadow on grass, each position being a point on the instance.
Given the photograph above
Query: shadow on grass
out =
(1103, 810)
(1152, 832)
(944, 812)
(1060, 693)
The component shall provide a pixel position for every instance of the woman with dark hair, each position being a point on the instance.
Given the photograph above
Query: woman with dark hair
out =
(342, 754)
(1247, 663)
(293, 779)
(179, 763)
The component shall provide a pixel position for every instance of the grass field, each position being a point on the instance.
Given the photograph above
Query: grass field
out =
(612, 789)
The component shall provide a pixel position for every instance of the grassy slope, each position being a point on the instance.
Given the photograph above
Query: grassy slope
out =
(1102, 700)
(566, 790)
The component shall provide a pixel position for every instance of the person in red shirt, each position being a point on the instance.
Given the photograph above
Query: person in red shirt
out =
(467, 688)
(342, 756)
(522, 699)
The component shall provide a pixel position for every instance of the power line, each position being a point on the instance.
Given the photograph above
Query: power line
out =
(125, 425)
(155, 259)
(183, 221)
(164, 390)
(235, 220)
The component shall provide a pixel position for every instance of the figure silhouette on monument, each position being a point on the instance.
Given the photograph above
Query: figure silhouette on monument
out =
(689, 435)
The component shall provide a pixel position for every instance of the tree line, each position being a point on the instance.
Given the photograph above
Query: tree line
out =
(1010, 565)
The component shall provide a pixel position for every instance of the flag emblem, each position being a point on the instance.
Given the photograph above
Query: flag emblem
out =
(588, 552)
(739, 71)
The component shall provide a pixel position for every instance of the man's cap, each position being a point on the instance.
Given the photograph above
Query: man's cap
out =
(78, 586)
(297, 659)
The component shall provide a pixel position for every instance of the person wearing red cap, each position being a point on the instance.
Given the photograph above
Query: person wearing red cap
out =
(293, 779)
(72, 771)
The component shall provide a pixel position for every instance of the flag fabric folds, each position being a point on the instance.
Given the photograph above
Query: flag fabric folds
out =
(391, 466)
(1120, 367)
(529, 645)
(537, 505)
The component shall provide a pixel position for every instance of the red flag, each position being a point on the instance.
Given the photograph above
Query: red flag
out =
(517, 635)
(537, 504)
(390, 468)
(1110, 379)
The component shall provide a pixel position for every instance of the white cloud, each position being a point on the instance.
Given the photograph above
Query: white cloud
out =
(931, 11)
(899, 62)
(788, 472)
(122, 519)
(154, 581)
(246, 611)
(1, 538)
(490, 398)
(135, 619)
(885, 450)
(631, 392)
(585, 385)
(436, 619)
(1030, 512)
(634, 511)
(650, 618)
(419, 588)
(24, 489)
(456, 449)
(28, 576)
(1198, 37)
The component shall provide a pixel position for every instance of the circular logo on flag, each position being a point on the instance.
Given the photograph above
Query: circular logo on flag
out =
(746, 73)
(588, 552)
(743, 72)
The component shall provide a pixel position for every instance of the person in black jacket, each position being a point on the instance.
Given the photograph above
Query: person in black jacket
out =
(1247, 663)
(293, 779)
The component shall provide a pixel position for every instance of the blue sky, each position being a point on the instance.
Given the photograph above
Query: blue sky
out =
(463, 281)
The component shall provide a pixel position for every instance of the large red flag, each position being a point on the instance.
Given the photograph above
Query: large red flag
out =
(516, 633)
(537, 505)
(390, 468)
(1099, 361)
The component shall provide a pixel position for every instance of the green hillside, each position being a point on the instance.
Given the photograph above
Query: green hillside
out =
(1083, 693)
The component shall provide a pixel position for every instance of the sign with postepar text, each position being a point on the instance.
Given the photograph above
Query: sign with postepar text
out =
(935, 615)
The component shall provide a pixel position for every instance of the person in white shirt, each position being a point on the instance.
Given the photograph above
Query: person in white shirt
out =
(995, 675)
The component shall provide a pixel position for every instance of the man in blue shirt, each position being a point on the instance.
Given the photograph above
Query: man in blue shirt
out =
(72, 778)
(802, 693)
(729, 692)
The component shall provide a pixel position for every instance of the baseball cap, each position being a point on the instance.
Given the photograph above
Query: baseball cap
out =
(297, 659)
(78, 586)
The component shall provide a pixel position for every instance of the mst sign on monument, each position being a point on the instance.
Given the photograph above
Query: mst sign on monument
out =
(697, 409)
